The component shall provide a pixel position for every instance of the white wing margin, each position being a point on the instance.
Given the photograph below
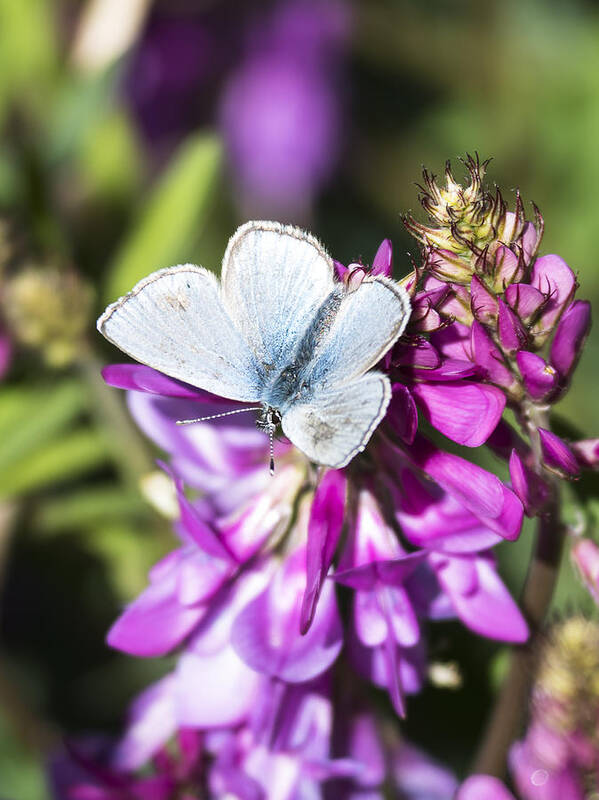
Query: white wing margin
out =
(368, 322)
(337, 423)
(274, 279)
(174, 321)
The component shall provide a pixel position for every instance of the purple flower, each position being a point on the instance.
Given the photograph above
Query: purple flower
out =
(483, 787)
(585, 556)
(281, 111)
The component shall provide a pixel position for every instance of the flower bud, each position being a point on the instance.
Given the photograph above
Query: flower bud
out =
(487, 355)
(557, 283)
(484, 304)
(354, 277)
(382, 263)
(525, 300)
(508, 268)
(512, 333)
(530, 487)
(569, 338)
(587, 453)
(49, 309)
(539, 378)
(585, 556)
(557, 456)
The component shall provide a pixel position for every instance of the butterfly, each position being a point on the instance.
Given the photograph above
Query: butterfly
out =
(278, 330)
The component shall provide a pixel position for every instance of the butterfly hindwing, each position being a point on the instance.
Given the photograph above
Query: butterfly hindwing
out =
(338, 421)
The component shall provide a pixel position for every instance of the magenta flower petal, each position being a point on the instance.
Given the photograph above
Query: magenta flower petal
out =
(556, 453)
(487, 355)
(266, 633)
(538, 376)
(530, 487)
(416, 353)
(509, 268)
(6, 351)
(524, 299)
(481, 492)
(512, 334)
(548, 784)
(570, 335)
(341, 271)
(587, 453)
(198, 530)
(203, 693)
(145, 379)
(474, 487)
(418, 777)
(487, 608)
(402, 414)
(554, 278)
(585, 555)
(370, 621)
(155, 622)
(324, 530)
(463, 411)
(439, 522)
(151, 724)
(382, 263)
(390, 572)
(483, 303)
(451, 369)
(483, 787)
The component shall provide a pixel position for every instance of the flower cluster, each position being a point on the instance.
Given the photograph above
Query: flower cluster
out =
(284, 586)
(559, 756)
(515, 317)
(261, 80)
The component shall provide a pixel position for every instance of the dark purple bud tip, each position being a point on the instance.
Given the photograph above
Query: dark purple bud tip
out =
(557, 455)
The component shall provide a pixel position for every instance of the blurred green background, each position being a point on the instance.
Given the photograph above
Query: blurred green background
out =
(106, 176)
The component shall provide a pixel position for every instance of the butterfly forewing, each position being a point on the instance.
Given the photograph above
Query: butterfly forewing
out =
(368, 321)
(175, 322)
(274, 278)
(337, 423)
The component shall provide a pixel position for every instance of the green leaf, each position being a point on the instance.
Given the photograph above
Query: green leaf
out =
(64, 458)
(172, 218)
(102, 504)
(31, 417)
(82, 104)
(109, 160)
(23, 773)
(129, 552)
(28, 53)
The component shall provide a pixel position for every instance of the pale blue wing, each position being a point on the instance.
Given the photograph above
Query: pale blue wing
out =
(274, 280)
(174, 321)
(369, 320)
(338, 422)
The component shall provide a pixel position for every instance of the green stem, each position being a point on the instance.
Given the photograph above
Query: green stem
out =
(512, 702)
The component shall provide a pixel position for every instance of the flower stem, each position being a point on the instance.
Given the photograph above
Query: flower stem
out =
(511, 704)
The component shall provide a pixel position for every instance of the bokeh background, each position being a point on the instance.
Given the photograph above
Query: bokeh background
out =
(138, 134)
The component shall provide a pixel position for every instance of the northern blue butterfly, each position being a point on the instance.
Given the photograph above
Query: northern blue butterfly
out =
(279, 330)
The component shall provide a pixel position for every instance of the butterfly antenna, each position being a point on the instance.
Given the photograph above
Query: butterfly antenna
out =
(271, 433)
(217, 416)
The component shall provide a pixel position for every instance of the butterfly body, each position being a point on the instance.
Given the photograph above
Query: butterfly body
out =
(279, 331)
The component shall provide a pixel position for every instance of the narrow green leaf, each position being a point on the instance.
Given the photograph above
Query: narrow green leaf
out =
(28, 52)
(30, 418)
(103, 504)
(64, 458)
(172, 218)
